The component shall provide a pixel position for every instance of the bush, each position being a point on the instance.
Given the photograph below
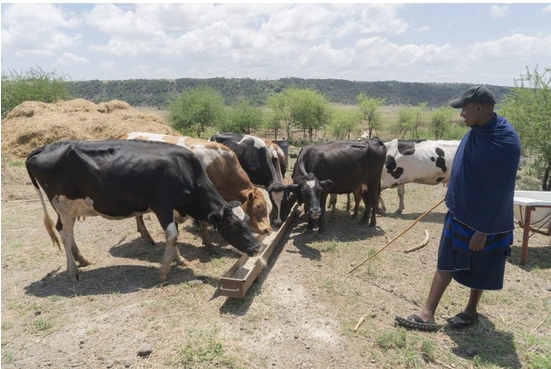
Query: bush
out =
(32, 85)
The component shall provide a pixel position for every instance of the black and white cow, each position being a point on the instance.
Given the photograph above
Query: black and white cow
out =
(416, 161)
(119, 179)
(347, 165)
(257, 160)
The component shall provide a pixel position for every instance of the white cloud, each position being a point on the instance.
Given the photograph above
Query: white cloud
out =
(497, 11)
(68, 59)
(38, 29)
(518, 45)
(547, 8)
(382, 18)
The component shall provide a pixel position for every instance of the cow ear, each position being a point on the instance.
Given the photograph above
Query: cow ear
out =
(293, 188)
(326, 184)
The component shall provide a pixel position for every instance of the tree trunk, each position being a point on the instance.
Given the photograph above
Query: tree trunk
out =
(546, 182)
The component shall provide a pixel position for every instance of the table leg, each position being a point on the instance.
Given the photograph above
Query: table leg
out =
(525, 235)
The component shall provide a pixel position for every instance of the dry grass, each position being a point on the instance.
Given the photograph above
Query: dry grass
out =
(300, 314)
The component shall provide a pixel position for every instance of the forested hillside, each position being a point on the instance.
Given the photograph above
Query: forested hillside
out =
(157, 92)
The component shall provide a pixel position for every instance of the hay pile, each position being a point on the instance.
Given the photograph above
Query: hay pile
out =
(33, 124)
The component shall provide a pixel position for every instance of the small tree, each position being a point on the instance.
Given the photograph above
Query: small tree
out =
(440, 121)
(32, 85)
(369, 110)
(344, 123)
(195, 110)
(244, 118)
(528, 108)
(309, 110)
(280, 105)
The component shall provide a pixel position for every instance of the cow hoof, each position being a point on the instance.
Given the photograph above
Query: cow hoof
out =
(180, 260)
(84, 262)
(163, 277)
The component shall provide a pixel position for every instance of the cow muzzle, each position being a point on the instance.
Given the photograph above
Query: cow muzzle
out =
(314, 213)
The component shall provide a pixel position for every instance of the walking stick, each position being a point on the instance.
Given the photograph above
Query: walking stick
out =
(395, 238)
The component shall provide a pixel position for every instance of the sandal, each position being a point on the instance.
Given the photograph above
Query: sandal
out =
(414, 322)
(462, 320)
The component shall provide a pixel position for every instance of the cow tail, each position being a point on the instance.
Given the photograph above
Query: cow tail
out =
(48, 222)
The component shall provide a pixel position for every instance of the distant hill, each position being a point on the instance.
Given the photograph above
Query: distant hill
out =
(159, 92)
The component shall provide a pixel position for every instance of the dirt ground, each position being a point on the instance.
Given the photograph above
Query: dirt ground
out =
(300, 314)
(305, 311)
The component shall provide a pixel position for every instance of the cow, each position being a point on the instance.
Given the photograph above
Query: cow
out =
(279, 160)
(348, 165)
(257, 159)
(119, 179)
(416, 161)
(228, 178)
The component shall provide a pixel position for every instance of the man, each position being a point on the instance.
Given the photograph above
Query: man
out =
(478, 228)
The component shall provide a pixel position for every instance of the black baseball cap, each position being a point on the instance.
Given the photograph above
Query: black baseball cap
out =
(480, 94)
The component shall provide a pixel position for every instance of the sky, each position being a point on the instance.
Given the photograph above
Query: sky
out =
(489, 43)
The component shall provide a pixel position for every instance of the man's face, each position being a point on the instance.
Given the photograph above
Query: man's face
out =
(471, 113)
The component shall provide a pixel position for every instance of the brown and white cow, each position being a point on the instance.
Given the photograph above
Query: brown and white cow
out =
(119, 179)
(227, 175)
(261, 161)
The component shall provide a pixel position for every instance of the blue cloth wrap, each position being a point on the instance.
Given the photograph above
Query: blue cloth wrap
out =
(482, 180)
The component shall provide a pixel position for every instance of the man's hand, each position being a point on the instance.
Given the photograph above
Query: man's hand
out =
(477, 241)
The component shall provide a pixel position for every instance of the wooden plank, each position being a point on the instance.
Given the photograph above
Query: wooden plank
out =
(239, 278)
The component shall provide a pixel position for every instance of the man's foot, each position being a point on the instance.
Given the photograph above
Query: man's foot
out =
(462, 320)
(414, 322)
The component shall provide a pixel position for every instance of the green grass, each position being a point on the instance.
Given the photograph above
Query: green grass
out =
(203, 349)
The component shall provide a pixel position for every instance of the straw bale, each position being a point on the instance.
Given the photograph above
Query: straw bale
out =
(33, 124)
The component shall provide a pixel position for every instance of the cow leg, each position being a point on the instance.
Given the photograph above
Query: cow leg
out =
(65, 228)
(207, 242)
(171, 232)
(333, 203)
(143, 231)
(382, 207)
(321, 220)
(401, 190)
(357, 199)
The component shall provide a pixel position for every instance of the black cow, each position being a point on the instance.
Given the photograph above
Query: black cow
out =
(349, 165)
(257, 160)
(120, 179)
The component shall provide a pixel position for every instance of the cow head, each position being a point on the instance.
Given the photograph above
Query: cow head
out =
(308, 191)
(259, 209)
(235, 229)
(279, 197)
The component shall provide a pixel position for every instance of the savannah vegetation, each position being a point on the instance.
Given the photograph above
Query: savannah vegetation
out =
(306, 311)
(310, 111)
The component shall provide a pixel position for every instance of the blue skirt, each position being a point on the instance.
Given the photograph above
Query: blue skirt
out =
(481, 270)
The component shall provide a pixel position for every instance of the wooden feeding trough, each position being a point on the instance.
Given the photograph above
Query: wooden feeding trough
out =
(239, 278)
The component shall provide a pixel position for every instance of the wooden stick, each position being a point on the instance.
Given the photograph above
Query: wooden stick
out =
(395, 238)
(362, 319)
(539, 325)
(421, 245)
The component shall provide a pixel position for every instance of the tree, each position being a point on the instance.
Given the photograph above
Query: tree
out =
(196, 109)
(369, 110)
(344, 123)
(244, 118)
(440, 121)
(528, 108)
(280, 106)
(32, 85)
(410, 120)
(309, 110)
